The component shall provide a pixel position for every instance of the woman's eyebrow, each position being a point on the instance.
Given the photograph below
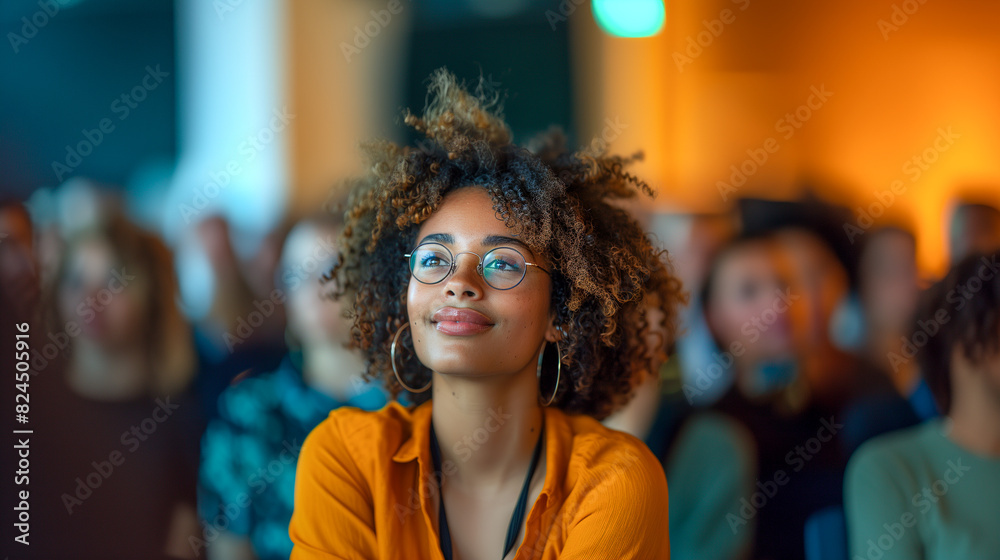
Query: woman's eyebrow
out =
(504, 240)
(438, 238)
(488, 241)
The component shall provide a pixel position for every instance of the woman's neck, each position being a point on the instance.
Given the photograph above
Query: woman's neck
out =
(975, 420)
(486, 427)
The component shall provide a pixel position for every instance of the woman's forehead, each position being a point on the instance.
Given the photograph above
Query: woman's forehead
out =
(465, 214)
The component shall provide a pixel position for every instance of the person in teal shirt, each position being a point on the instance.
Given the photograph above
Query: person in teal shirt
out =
(250, 452)
(933, 491)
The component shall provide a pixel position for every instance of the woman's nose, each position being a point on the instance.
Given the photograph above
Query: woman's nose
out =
(465, 280)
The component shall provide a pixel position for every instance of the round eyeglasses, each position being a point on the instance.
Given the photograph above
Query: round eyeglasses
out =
(502, 268)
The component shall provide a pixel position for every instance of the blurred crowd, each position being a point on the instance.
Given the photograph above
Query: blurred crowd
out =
(173, 384)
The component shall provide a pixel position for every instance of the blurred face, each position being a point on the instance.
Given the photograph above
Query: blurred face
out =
(889, 280)
(974, 230)
(751, 303)
(463, 326)
(105, 297)
(820, 278)
(308, 253)
(656, 338)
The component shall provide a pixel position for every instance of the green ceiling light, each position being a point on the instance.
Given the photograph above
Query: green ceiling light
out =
(630, 18)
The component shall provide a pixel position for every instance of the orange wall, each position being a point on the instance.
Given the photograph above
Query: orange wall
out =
(890, 96)
(341, 99)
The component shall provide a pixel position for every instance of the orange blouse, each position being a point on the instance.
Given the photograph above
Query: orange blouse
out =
(364, 482)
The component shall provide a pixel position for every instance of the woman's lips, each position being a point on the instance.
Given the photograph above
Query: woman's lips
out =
(456, 321)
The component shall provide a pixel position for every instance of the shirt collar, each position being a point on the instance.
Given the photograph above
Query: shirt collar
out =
(558, 441)
(419, 437)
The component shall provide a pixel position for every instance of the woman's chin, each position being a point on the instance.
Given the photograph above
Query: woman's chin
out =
(470, 364)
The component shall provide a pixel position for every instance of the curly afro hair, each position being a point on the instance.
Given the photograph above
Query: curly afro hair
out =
(605, 271)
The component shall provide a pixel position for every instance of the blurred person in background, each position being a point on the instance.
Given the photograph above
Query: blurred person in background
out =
(19, 295)
(18, 265)
(757, 311)
(932, 491)
(117, 439)
(249, 452)
(822, 285)
(858, 391)
(705, 236)
(974, 228)
(708, 457)
(888, 289)
(755, 317)
(261, 270)
(240, 333)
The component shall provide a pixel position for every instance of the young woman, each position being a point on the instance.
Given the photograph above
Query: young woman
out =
(116, 426)
(500, 286)
(248, 452)
(931, 491)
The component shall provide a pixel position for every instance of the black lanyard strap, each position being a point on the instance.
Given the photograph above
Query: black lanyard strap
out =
(516, 518)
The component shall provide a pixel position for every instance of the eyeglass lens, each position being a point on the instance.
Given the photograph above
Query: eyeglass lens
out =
(502, 268)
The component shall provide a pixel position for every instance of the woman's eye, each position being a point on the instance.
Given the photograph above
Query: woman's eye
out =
(431, 261)
(502, 265)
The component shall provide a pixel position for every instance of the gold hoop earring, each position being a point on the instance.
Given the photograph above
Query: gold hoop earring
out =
(538, 373)
(392, 358)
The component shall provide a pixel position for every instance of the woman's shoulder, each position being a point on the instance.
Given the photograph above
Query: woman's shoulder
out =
(613, 490)
(596, 451)
(354, 444)
(915, 444)
(349, 424)
(898, 461)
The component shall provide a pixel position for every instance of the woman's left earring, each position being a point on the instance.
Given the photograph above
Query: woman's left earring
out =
(538, 373)
(392, 358)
